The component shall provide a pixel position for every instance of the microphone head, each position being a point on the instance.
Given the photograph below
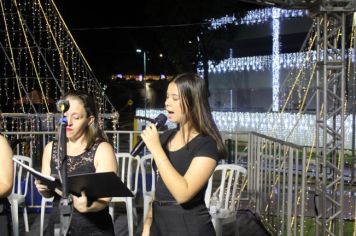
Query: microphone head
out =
(63, 120)
(161, 120)
(62, 105)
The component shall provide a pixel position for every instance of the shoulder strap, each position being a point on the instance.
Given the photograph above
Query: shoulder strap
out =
(54, 149)
(95, 147)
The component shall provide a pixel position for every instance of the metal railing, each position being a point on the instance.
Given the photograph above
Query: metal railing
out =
(276, 183)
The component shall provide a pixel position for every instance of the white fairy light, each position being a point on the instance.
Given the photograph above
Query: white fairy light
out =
(272, 124)
(275, 59)
(263, 63)
(255, 63)
(254, 17)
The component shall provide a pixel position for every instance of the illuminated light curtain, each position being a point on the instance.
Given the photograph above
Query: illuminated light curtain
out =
(275, 58)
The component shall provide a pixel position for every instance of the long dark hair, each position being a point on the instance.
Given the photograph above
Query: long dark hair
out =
(93, 132)
(196, 109)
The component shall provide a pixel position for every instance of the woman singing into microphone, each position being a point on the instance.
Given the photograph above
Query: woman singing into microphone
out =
(185, 158)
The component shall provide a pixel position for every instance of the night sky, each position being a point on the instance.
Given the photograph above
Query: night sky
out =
(110, 49)
(109, 32)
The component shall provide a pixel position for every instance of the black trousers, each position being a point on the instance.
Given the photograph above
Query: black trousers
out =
(179, 220)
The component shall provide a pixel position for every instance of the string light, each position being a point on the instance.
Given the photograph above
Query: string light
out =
(53, 53)
(254, 17)
(275, 59)
(256, 64)
(271, 124)
(264, 63)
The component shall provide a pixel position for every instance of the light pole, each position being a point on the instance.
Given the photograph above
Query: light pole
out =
(143, 78)
(144, 61)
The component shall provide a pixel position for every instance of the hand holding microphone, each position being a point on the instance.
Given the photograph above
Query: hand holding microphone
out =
(150, 135)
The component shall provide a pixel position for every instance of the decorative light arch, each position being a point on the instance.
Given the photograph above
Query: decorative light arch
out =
(256, 63)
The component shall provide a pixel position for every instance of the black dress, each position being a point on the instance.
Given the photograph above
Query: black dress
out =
(83, 224)
(191, 218)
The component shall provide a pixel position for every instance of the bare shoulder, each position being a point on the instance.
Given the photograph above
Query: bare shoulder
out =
(5, 146)
(104, 159)
(105, 147)
(105, 151)
(3, 140)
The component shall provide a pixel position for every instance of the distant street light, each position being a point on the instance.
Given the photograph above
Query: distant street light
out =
(143, 77)
(144, 61)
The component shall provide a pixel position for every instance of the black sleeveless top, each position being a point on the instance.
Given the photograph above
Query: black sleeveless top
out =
(98, 223)
(80, 164)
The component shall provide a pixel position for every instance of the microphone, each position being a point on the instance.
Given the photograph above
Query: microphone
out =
(14, 142)
(145, 118)
(63, 120)
(62, 105)
(160, 120)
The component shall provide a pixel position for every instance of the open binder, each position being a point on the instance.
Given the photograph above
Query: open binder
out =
(95, 185)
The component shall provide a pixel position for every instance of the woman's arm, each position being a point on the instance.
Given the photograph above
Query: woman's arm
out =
(6, 168)
(46, 170)
(147, 223)
(183, 188)
(105, 161)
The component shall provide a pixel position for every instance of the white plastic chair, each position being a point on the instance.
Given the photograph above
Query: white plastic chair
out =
(227, 194)
(146, 164)
(44, 202)
(128, 172)
(17, 196)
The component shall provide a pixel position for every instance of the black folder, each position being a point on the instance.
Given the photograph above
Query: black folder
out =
(95, 185)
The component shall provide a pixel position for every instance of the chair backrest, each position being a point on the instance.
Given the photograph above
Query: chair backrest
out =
(128, 170)
(146, 165)
(232, 179)
(20, 175)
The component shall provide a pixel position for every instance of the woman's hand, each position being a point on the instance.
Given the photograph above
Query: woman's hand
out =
(45, 191)
(146, 227)
(150, 136)
(147, 223)
(41, 187)
(81, 203)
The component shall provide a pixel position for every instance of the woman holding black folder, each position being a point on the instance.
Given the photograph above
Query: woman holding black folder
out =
(87, 151)
(185, 158)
